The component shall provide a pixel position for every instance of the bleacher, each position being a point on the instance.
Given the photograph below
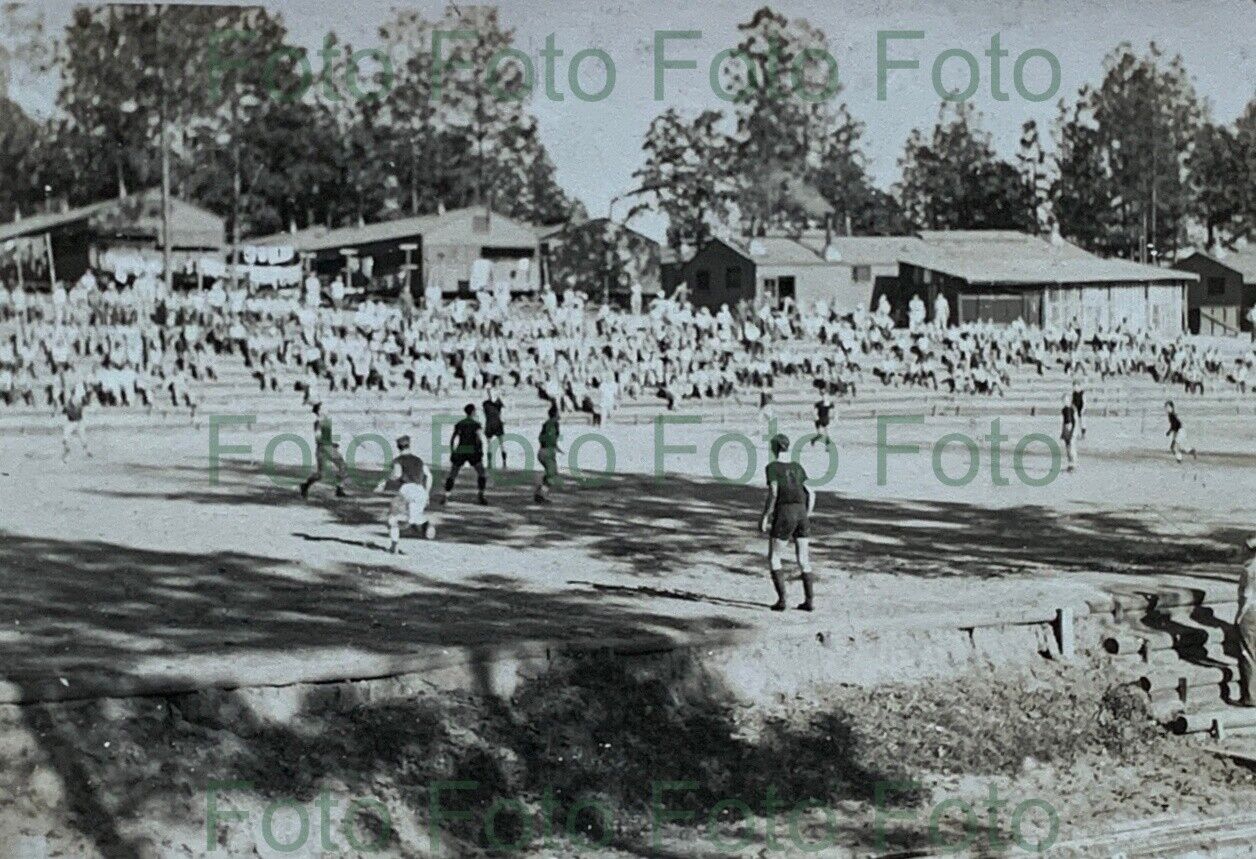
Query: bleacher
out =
(236, 392)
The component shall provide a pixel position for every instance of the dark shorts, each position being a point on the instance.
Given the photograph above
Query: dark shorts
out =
(494, 432)
(548, 457)
(466, 458)
(790, 522)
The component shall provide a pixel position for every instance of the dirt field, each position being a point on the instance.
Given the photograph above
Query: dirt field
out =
(138, 562)
(136, 571)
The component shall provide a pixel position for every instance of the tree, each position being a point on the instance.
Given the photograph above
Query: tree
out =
(460, 132)
(20, 143)
(1035, 172)
(1145, 117)
(1245, 133)
(1084, 199)
(953, 179)
(687, 175)
(782, 89)
(1217, 181)
(842, 179)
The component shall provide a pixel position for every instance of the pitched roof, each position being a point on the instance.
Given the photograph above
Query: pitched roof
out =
(1242, 260)
(42, 223)
(554, 232)
(861, 250)
(780, 250)
(191, 226)
(1009, 257)
(454, 226)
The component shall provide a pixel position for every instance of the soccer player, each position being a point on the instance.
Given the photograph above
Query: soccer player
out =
(786, 516)
(1079, 404)
(765, 401)
(494, 428)
(824, 415)
(467, 444)
(327, 455)
(548, 456)
(1176, 434)
(73, 425)
(411, 479)
(1068, 431)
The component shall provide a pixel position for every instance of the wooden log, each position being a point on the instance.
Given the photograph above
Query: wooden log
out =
(1186, 654)
(1141, 640)
(1194, 675)
(1221, 691)
(1215, 720)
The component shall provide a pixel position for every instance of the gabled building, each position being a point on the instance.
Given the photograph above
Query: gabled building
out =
(447, 248)
(1004, 275)
(81, 237)
(846, 272)
(1219, 302)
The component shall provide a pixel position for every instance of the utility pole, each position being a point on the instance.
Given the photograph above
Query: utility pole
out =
(166, 255)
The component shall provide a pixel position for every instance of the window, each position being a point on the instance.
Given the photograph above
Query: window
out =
(479, 224)
(784, 288)
(861, 273)
(702, 281)
(732, 278)
(1216, 286)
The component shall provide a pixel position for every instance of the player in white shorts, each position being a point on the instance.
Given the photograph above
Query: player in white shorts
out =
(412, 480)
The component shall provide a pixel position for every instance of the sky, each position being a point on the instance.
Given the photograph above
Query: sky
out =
(597, 145)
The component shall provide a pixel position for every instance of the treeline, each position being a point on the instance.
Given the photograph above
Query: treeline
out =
(269, 137)
(1137, 167)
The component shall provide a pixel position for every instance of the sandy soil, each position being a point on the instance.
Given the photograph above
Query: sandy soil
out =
(136, 565)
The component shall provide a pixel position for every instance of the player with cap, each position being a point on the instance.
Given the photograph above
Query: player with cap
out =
(786, 515)
(411, 479)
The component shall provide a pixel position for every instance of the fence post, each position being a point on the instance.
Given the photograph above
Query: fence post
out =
(1064, 633)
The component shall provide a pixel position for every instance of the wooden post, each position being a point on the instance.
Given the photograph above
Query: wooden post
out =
(52, 266)
(1064, 633)
(409, 248)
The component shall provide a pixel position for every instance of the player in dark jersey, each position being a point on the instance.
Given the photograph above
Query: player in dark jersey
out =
(411, 479)
(765, 399)
(327, 455)
(494, 427)
(467, 446)
(824, 416)
(548, 455)
(1177, 434)
(786, 517)
(1068, 431)
(1079, 405)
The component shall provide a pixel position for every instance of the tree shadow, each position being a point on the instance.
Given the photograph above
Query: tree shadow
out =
(94, 608)
(652, 527)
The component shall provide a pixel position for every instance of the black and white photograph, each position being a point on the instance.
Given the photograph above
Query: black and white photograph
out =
(742, 428)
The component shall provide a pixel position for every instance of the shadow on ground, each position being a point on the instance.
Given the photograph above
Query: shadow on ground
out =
(652, 527)
(92, 602)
